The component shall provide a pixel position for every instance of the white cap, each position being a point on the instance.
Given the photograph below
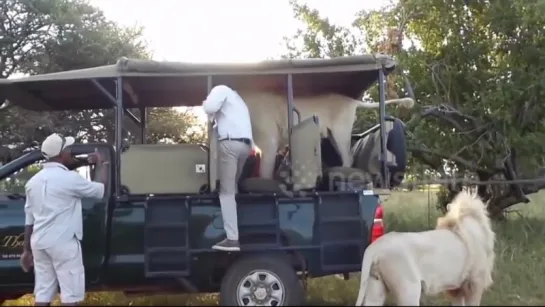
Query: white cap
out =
(54, 144)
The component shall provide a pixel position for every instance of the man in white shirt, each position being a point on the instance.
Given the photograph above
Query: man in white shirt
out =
(53, 223)
(234, 131)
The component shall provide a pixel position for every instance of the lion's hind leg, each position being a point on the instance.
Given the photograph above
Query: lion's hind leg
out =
(376, 292)
(402, 279)
(474, 295)
(457, 296)
(408, 294)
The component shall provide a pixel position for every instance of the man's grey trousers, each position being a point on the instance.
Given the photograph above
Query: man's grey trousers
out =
(231, 158)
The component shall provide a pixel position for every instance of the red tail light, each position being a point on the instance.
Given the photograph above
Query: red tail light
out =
(378, 226)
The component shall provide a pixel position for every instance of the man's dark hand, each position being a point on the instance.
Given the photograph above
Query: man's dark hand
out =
(94, 158)
(26, 261)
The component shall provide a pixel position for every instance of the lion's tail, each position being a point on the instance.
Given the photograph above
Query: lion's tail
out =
(406, 102)
(367, 264)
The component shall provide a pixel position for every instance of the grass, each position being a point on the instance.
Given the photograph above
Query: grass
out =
(519, 277)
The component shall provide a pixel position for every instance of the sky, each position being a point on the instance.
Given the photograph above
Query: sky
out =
(221, 31)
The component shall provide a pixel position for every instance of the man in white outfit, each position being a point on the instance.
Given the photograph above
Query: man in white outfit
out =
(53, 223)
(234, 131)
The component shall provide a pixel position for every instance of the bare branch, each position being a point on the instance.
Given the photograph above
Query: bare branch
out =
(454, 158)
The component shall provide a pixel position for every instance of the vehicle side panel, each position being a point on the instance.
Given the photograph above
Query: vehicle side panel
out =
(126, 246)
(330, 230)
(12, 221)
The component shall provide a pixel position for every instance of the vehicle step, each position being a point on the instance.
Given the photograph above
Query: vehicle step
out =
(339, 219)
(260, 247)
(342, 267)
(167, 274)
(243, 248)
(150, 250)
(258, 223)
(167, 225)
(254, 247)
(342, 243)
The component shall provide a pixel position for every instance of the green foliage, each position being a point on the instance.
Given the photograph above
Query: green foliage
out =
(44, 36)
(477, 73)
(15, 184)
(321, 38)
(175, 126)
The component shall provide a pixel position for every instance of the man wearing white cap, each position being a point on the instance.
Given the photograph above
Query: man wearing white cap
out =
(234, 130)
(53, 223)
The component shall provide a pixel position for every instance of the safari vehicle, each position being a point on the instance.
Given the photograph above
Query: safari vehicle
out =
(154, 230)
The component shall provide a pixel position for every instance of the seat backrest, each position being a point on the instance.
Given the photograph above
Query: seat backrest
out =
(164, 168)
(397, 144)
(306, 157)
(331, 156)
(366, 151)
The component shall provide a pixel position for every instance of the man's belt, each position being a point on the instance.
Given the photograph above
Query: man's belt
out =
(243, 140)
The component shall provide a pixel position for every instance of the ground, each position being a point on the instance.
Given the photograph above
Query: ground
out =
(518, 277)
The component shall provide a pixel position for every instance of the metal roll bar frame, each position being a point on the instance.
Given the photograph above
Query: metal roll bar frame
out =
(120, 110)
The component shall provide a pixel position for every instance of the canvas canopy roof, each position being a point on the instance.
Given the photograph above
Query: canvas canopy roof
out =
(165, 84)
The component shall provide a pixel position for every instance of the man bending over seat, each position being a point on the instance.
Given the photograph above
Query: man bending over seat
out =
(234, 131)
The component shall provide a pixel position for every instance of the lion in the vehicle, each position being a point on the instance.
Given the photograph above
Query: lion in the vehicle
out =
(335, 112)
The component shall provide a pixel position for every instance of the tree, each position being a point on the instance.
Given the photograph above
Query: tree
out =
(477, 73)
(15, 184)
(44, 36)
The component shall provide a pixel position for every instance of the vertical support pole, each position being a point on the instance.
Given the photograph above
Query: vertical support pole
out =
(118, 133)
(143, 122)
(212, 146)
(385, 180)
(208, 84)
(290, 125)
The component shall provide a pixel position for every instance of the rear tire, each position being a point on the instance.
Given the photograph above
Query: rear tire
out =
(261, 279)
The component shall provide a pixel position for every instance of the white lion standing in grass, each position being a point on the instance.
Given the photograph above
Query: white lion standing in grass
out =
(456, 258)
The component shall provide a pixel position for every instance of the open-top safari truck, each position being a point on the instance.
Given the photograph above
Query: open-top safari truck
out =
(155, 228)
